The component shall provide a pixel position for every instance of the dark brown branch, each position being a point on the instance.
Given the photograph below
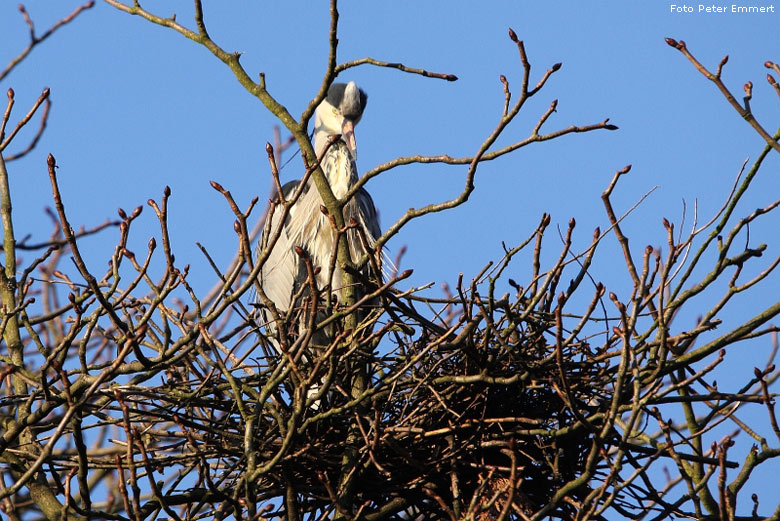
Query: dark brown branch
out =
(35, 40)
(401, 67)
(745, 112)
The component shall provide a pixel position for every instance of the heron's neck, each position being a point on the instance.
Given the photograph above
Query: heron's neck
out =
(321, 139)
(322, 135)
(340, 168)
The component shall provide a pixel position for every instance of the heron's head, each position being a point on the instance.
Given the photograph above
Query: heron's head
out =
(339, 112)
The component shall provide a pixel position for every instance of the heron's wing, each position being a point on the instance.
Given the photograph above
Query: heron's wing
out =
(370, 218)
(287, 189)
(368, 213)
(281, 270)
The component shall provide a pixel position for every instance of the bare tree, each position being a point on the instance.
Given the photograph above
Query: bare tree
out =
(130, 397)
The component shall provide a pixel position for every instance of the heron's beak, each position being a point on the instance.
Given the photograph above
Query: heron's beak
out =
(348, 135)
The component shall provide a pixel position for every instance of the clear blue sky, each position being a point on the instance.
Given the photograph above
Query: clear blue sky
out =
(138, 107)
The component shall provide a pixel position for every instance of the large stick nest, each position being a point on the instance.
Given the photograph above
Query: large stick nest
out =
(464, 418)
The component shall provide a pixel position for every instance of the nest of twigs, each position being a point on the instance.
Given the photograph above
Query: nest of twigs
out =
(459, 422)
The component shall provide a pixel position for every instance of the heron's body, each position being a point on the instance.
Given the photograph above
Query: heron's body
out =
(284, 274)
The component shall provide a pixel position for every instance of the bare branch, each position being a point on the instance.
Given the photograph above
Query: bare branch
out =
(35, 40)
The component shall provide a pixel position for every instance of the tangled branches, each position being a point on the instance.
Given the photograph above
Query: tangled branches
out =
(485, 406)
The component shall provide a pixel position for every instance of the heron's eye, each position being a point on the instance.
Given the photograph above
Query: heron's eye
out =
(335, 111)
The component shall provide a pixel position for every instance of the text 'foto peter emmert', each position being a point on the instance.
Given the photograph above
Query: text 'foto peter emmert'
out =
(721, 8)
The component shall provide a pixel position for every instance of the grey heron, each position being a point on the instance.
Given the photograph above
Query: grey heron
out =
(283, 277)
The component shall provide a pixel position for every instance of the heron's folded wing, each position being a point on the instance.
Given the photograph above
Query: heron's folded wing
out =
(368, 213)
(281, 270)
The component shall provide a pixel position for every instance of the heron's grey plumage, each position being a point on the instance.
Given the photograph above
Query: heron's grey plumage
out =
(284, 272)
